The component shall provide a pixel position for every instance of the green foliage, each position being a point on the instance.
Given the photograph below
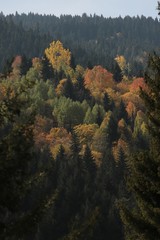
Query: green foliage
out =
(89, 117)
(106, 134)
(68, 112)
(45, 110)
(98, 114)
(140, 133)
(142, 219)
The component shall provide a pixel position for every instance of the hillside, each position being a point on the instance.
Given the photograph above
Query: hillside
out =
(79, 128)
(93, 40)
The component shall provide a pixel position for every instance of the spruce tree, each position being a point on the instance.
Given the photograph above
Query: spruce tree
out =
(69, 89)
(142, 217)
(89, 163)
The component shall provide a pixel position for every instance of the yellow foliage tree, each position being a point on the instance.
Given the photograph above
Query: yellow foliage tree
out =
(58, 137)
(85, 133)
(58, 56)
(124, 143)
(60, 87)
(124, 66)
(121, 62)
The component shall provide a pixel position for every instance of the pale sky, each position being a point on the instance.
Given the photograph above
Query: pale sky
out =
(108, 8)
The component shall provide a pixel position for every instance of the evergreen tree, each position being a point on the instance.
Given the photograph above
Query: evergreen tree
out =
(121, 112)
(106, 102)
(89, 163)
(47, 70)
(7, 67)
(26, 64)
(105, 194)
(89, 117)
(117, 73)
(68, 90)
(99, 117)
(142, 217)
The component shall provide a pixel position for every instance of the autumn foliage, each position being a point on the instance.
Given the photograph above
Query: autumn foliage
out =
(96, 80)
(58, 56)
(137, 84)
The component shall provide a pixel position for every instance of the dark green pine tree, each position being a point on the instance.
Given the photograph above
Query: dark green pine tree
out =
(60, 214)
(142, 216)
(70, 185)
(61, 164)
(25, 65)
(105, 195)
(90, 172)
(117, 73)
(47, 70)
(69, 89)
(89, 164)
(99, 117)
(7, 67)
(121, 112)
(75, 147)
(106, 102)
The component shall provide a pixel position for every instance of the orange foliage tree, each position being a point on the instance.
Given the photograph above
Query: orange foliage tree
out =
(96, 80)
(137, 84)
(42, 126)
(131, 110)
(16, 67)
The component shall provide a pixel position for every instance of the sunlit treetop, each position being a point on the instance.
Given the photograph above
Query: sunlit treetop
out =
(58, 56)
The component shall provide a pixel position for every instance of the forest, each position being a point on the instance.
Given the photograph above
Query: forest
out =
(79, 127)
(93, 40)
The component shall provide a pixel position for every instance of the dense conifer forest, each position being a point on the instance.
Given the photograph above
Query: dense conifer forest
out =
(79, 128)
(93, 40)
